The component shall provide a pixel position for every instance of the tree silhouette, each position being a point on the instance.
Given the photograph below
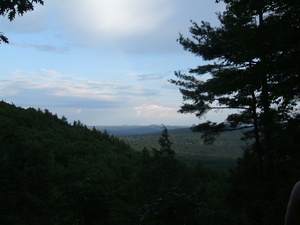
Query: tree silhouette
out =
(249, 53)
(12, 8)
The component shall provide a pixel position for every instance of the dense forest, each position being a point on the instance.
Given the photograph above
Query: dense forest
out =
(54, 172)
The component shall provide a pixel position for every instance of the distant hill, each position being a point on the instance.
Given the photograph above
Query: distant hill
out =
(128, 130)
(189, 146)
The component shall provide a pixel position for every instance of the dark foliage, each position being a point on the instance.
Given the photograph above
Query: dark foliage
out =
(55, 173)
(253, 62)
(11, 8)
(52, 172)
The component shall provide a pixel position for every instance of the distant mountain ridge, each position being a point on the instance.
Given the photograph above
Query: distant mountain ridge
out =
(128, 130)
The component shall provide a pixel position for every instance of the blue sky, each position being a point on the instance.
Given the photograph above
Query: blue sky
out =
(103, 62)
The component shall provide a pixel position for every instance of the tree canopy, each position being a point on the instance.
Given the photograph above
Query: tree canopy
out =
(254, 66)
(11, 8)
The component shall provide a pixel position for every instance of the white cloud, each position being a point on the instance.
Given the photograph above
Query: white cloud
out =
(42, 47)
(106, 19)
(147, 77)
(132, 26)
(56, 84)
(61, 88)
(77, 111)
(154, 111)
(108, 102)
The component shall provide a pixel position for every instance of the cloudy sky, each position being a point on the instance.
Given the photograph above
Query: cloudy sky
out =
(103, 62)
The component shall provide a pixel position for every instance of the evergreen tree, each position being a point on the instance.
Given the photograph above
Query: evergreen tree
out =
(165, 151)
(254, 70)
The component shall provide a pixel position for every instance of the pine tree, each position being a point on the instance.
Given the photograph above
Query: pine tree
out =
(254, 70)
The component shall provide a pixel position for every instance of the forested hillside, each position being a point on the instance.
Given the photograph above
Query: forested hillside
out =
(53, 172)
(56, 173)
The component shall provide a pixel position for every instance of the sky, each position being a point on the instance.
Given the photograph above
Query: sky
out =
(103, 62)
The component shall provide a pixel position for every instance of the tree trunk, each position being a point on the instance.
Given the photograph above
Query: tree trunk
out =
(259, 150)
(267, 119)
